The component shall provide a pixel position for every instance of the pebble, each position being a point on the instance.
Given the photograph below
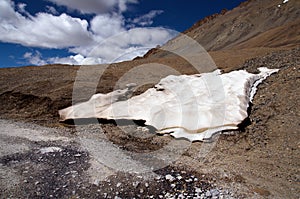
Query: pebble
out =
(189, 180)
(170, 178)
(214, 192)
(208, 194)
(135, 184)
(198, 190)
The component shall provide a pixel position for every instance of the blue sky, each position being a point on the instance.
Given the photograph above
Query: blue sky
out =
(37, 32)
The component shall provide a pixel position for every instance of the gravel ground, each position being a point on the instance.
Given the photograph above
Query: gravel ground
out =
(43, 164)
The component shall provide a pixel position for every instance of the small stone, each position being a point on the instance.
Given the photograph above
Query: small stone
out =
(72, 162)
(119, 184)
(141, 190)
(208, 194)
(96, 182)
(189, 180)
(179, 177)
(173, 185)
(146, 184)
(198, 190)
(214, 192)
(50, 150)
(170, 178)
(136, 184)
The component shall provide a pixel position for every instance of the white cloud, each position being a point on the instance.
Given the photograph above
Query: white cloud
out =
(95, 6)
(51, 10)
(7, 12)
(34, 58)
(37, 59)
(42, 30)
(75, 60)
(104, 39)
(106, 25)
(132, 43)
(21, 7)
(147, 19)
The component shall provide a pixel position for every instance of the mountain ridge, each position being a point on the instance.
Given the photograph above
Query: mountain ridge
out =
(261, 160)
(245, 26)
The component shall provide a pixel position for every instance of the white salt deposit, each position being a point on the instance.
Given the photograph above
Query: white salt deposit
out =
(187, 106)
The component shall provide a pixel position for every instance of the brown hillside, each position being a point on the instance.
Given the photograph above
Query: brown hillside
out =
(254, 24)
(260, 160)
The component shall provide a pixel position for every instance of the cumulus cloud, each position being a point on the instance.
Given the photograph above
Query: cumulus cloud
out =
(106, 25)
(127, 44)
(42, 30)
(104, 39)
(147, 19)
(75, 60)
(34, 58)
(95, 6)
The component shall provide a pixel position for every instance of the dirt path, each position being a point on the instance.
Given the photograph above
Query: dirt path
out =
(38, 162)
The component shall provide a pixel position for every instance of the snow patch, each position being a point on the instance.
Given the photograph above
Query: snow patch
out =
(194, 107)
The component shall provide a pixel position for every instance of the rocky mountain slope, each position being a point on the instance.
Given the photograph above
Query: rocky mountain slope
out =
(258, 161)
(254, 24)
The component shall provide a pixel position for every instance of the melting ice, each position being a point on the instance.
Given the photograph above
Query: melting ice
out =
(187, 106)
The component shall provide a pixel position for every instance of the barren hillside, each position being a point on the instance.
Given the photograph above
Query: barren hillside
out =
(260, 160)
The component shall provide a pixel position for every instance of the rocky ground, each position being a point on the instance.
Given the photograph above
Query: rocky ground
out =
(47, 159)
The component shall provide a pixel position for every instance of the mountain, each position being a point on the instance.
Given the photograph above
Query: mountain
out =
(253, 24)
(261, 160)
